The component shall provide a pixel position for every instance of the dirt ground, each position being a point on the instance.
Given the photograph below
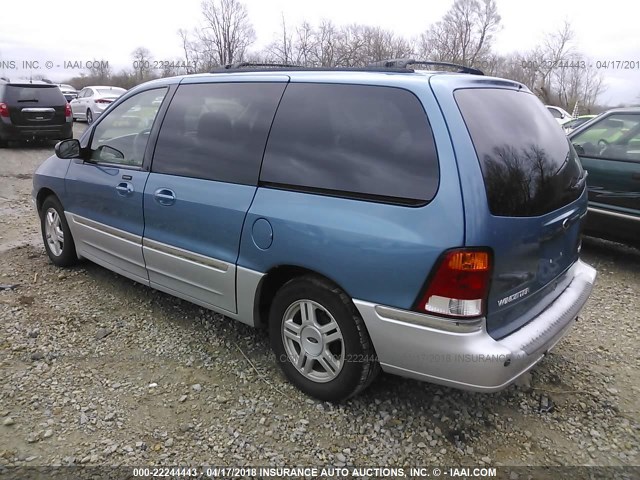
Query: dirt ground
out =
(96, 369)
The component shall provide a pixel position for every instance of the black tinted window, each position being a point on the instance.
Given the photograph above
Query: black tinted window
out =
(528, 165)
(555, 113)
(217, 131)
(42, 95)
(352, 139)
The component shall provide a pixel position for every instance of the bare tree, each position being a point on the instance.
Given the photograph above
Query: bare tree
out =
(326, 44)
(227, 30)
(192, 57)
(555, 71)
(304, 41)
(556, 49)
(464, 35)
(100, 71)
(142, 64)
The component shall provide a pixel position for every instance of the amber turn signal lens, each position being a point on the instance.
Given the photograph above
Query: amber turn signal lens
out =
(469, 261)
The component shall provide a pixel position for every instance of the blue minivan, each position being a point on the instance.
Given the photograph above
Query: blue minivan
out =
(421, 222)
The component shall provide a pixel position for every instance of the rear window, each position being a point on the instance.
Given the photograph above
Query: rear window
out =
(352, 141)
(528, 165)
(110, 91)
(45, 95)
(555, 113)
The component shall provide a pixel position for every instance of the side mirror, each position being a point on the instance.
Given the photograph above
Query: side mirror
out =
(109, 153)
(68, 149)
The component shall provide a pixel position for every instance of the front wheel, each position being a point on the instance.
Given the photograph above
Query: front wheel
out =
(320, 340)
(56, 234)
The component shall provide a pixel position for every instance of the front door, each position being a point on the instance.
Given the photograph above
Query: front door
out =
(105, 188)
(609, 149)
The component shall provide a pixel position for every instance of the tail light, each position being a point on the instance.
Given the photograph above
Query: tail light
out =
(460, 284)
(67, 110)
(4, 110)
(102, 100)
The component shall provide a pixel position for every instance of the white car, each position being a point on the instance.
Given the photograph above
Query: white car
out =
(68, 91)
(92, 101)
(561, 115)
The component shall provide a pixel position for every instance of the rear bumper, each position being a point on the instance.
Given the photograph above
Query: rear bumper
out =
(440, 351)
(20, 132)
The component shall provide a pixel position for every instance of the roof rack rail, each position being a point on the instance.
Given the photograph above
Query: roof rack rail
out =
(406, 62)
(239, 65)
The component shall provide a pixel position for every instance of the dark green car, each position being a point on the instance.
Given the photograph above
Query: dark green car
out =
(609, 148)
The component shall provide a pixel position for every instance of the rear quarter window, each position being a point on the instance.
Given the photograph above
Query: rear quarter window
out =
(528, 166)
(353, 141)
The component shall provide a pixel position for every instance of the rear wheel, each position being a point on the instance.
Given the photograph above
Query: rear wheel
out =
(320, 340)
(56, 235)
(89, 117)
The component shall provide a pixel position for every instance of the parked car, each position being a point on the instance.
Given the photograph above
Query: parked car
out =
(561, 115)
(609, 149)
(571, 125)
(33, 110)
(426, 223)
(68, 91)
(92, 101)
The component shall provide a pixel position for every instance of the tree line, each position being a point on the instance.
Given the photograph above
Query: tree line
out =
(555, 70)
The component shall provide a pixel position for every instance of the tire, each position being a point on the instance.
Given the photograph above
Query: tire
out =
(343, 336)
(89, 116)
(4, 143)
(60, 248)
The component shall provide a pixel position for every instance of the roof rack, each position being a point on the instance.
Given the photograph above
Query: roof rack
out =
(239, 65)
(267, 67)
(400, 65)
(406, 62)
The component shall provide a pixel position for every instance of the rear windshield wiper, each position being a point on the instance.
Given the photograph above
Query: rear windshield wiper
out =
(30, 100)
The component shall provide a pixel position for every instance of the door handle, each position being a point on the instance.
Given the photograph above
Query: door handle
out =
(124, 189)
(164, 196)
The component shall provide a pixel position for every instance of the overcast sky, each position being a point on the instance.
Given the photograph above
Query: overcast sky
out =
(110, 29)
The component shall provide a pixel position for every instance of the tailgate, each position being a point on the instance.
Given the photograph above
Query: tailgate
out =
(530, 211)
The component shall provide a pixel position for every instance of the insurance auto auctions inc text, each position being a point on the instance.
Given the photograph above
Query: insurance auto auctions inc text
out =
(354, 472)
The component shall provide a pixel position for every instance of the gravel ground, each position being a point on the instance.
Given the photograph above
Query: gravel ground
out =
(96, 369)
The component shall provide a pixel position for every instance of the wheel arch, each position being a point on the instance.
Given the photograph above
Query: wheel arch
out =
(42, 195)
(272, 281)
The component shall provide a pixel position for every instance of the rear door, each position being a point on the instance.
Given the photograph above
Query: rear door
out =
(104, 191)
(35, 105)
(203, 180)
(524, 194)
